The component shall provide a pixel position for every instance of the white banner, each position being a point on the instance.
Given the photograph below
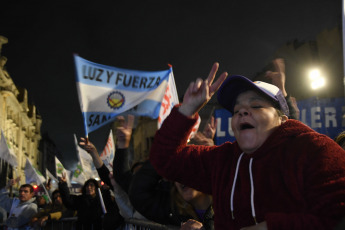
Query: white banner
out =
(6, 153)
(32, 174)
(169, 100)
(85, 167)
(60, 170)
(108, 152)
(53, 180)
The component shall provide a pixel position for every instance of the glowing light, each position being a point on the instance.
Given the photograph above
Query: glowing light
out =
(314, 74)
(320, 82)
(317, 80)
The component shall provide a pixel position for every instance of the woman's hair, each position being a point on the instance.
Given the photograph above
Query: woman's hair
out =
(83, 190)
(179, 205)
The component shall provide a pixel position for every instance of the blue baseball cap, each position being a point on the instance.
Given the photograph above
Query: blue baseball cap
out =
(236, 84)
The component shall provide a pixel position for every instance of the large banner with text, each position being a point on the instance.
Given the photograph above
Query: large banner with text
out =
(106, 91)
(325, 116)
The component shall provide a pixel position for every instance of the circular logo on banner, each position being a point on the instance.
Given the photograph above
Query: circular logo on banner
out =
(115, 100)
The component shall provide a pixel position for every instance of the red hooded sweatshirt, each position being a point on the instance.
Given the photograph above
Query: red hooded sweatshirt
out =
(295, 180)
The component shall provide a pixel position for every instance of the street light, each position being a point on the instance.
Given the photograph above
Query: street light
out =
(317, 80)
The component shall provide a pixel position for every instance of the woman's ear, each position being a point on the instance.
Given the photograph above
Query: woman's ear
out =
(284, 118)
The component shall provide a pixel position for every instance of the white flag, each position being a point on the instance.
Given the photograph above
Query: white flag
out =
(85, 167)
(6, 153)
(68, 178)
(53, 180)
(170, 99)
(32, 174)
(108, 153)
(77, 175)
(60, 169)
(195, 129)
(50, 176)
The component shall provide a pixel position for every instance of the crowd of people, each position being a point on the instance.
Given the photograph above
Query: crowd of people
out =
(278, 174)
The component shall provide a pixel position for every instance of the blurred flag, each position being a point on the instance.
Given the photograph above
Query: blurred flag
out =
(78, 175)
(106, 91)
(32, 174)
(53, 180)
(169, 100)
(60, 170)
(108, 153)
(195, 129)
(85, 167)
(50, 175)
(6, 153)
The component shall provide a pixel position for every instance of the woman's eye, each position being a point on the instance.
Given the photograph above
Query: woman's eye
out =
(256, 106)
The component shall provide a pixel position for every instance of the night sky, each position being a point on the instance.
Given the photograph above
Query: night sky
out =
(145, 35)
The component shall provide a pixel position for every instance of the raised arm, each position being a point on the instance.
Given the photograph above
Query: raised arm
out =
(67, 199)
(91, 149)
(5, 201)
(169, 154)
(278, 75)
(102, 170)
(278, 78)
(200, 92)
(121, 168)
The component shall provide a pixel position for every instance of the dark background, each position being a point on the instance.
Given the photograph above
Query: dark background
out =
(145, 35)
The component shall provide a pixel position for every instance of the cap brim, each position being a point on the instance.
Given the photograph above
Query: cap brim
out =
(232, 87)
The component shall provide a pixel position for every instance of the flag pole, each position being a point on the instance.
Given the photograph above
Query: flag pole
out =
(46, 191)
(44, 187)
(86, 132)
(39, 179)
(102, 202)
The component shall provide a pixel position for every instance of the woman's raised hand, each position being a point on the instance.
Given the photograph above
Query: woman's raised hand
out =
(200, 92)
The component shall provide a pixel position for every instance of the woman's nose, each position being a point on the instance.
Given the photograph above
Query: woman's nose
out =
(243, 112)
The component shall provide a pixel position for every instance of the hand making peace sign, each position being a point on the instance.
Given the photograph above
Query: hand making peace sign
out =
(201, 91)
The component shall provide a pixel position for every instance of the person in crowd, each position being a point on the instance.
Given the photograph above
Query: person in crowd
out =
(123, 171)
(278, 174)
(206, 136)
(53, 212)
(167, 202)
(172, 203)
(340, 139)
(3, 215)
(41, 202)
(120, 166)
(278, 78)
(20, 209)
(89, 207)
